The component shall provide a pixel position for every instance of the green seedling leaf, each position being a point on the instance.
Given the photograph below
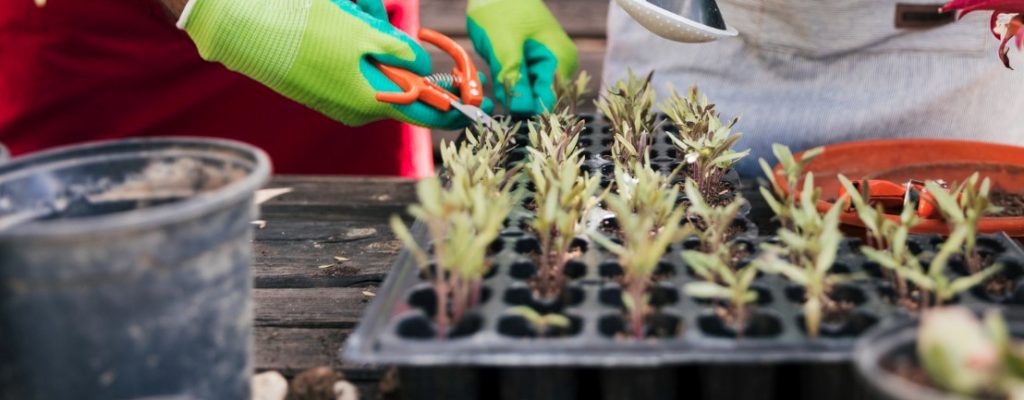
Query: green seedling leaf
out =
(946, 202)
(557, 321)
(965, 283)
(403, 235)
(707, 290)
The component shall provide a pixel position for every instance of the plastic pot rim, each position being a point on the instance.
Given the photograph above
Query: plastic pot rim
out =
(1013, 226)
(880, 341)
(186, 209)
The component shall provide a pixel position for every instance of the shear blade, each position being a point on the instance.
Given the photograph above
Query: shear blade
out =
(475, 113)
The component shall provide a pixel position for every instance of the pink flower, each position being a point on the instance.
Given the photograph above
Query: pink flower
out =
(1003, 30)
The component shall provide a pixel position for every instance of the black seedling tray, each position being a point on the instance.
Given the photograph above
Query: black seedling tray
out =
(492, 347)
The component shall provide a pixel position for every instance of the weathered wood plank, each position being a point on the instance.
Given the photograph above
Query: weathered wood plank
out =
(289, 248)
(334, 308)
(296, 264)
(351, 191)
(581, 18)
(333, 199)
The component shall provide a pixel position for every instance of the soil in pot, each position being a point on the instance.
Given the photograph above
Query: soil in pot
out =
(658, 325)
(905, 364)
(722, 323)
(659, 296)
(839, 316)
(913, 300)
(424, 298)
(1012, 203)
(518, 326)
(525, 296)
(1004, 287)
(420, 327)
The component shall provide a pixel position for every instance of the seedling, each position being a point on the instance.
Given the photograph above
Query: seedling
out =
(713, 223)
(462, 221)
(564, 197)
(884, 235)
(704, 142)
(479, 158)
(541, 324)
(722, 283)
(934, 284)
(644, 243)
(968, 357)
(888, 243)
(570, 94)
(715, 262)
(810, 256)
(628, 107)
(645, 190)
(962, 208)
(553, 142)
(781, 198)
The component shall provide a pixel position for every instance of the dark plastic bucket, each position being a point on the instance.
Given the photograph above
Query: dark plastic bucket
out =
(896, 342)
(124, 270)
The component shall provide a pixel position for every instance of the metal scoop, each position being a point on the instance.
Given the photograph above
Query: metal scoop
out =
(690, 21)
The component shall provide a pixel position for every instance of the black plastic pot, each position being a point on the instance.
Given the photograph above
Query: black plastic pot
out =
(896, 342)
(124, 270)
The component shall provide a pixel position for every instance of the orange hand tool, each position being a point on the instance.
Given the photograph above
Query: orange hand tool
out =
(429, 89)
(893, 196)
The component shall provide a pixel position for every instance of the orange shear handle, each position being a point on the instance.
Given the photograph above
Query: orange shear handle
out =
(465, 72)
(415, 87)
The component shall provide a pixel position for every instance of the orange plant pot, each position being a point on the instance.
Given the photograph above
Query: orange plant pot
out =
(900, 160)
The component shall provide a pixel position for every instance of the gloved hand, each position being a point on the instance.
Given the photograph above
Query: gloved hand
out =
(525, 47)
(317, 52)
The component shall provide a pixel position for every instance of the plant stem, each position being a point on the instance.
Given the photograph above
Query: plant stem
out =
(637, 287)
(441, 292)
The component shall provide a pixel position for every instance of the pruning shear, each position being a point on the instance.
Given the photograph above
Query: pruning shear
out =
(895, 196)
(436, 90)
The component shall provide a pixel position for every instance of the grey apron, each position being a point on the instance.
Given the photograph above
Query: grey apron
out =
(812, 72)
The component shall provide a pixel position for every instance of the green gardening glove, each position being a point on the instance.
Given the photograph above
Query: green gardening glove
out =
(525, 47)
(316, 52)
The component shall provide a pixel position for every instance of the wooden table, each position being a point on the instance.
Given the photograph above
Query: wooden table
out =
(307, 302)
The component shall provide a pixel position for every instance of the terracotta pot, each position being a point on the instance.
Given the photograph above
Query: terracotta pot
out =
(899, 160)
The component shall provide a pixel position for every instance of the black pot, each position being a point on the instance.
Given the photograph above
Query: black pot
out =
(896, 341)
(124, 270)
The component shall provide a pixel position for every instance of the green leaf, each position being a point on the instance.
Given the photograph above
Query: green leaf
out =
(811, 154)
(773, 264)
(707, 290)
(946, 202)
(785, 157)
(965, 283)
(557, 320)
(776, 207)
(403, 235)
(627, 301)
(607, 243)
